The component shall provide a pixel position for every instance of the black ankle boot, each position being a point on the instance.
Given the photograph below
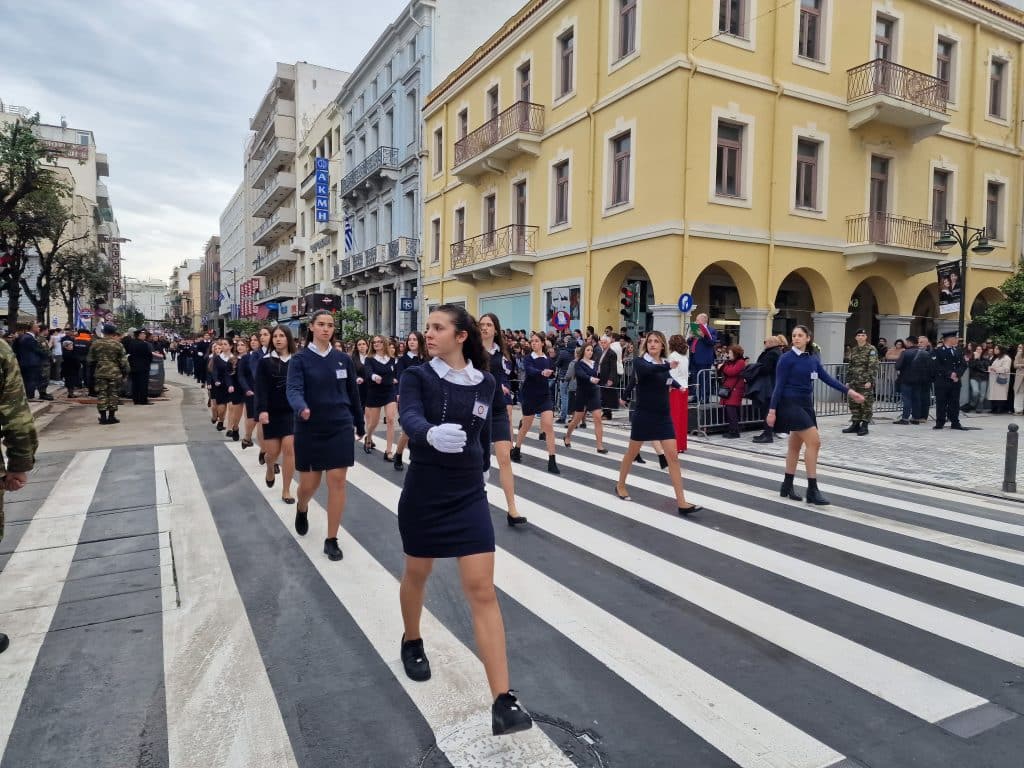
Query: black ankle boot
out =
(662, 461)
(112, 417)
(508, 715)
(515, 454)
(814, 495)
(103, 418)
(765, 437)
(863, 429)
(852, 429)
(787, 492)
(552, 466)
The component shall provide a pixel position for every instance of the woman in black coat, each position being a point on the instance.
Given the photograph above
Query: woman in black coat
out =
(760, 389)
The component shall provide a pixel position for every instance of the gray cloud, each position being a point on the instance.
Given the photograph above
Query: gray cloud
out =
(168, 87)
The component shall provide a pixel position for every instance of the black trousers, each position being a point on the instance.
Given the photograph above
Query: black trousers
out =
(140, 387)
(947, 403)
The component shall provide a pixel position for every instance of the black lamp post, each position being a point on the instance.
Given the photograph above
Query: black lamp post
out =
(968, 238)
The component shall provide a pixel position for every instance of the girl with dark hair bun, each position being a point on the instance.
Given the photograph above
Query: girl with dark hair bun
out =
(273, 411)
(381, 377)
(415, 354)
(535, 398)
(443, 510)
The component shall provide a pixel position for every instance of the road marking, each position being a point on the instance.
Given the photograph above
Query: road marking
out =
(738, 727)
(28, 621)
(456, 703)
(221, 708)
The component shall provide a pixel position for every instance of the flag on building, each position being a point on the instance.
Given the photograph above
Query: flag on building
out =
(349, 239)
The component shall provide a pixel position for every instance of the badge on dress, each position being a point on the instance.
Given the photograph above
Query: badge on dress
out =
(814, 375)
(480, 409)
(341, 373)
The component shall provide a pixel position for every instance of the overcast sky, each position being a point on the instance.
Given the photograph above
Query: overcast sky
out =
(168, 87)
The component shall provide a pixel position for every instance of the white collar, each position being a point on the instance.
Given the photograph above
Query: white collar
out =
(495, 348)
(381, 358)
(314, 348)
(650, 359)
(797, 352)
(468, 375)
(537, 355)
(273, 353)
(411, 354)
(224, 357)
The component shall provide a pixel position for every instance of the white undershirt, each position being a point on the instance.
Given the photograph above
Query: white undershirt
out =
(282, 359)
(468, 376)
(312, 345)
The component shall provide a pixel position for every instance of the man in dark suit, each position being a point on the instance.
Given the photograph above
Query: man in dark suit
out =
(140, 356)
(948, 366)
(31, 359)
(608, 373)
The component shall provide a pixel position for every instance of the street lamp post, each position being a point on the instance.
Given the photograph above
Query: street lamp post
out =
(968, 238)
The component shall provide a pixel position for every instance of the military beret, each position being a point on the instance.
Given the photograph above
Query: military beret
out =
(950, 334)
(860, 331)
(109, 329)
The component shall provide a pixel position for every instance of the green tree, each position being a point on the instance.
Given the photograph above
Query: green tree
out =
(80, 274)
(244, 327)
(349, 324)
(1005, 319)
(21, 170)
(57, 234)
(129, 316)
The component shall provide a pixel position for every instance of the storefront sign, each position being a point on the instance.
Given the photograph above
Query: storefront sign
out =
(322, 200)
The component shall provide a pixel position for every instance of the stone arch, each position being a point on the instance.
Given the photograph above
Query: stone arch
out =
(926, 312)
(872, 297)
(798, 296)
(983, 298)
(721, 290)
(611, 294)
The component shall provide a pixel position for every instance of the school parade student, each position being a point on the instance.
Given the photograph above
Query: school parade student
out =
(220, 380)
(324, 397)
(443, 509)
(587, 396)
(652, 420)
(861, 374)
(274, 414)
(792, 410)
(247, 378)
(501, 367)
(111, 361)
(415, 354)
(236, 388)
(362, 353)
(948, 368)
(381, 377)
(535, 397)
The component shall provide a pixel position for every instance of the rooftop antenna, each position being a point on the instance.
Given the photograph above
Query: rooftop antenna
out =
(63, 121)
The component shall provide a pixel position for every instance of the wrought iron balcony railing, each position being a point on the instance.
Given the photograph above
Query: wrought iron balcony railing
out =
(512, 240)
(403, 248)
(886, 78)
(381, 157)
(521, 117)
(890, 230)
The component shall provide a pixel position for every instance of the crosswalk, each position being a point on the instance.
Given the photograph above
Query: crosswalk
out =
(884, 630)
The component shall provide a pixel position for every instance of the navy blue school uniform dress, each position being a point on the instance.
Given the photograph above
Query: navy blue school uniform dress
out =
(236, 394)
(361, 374)
(247, 376)
(272, 396)
(535, 394)
(793, 396)
(652, 419)
(220, 376)
(443, 510)
(379, 395)
(501, 370)
(326, 384)
(588, 394)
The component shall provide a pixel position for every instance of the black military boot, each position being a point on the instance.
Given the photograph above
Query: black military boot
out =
(863, 429)
(853, 429)
(112, 418)
(103, 418)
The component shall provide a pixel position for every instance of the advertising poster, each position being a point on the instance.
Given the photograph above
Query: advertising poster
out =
(563, 298)
(950, 289)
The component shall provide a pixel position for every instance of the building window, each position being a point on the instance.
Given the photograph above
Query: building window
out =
(566, 44)
(438, 150)
(523, 76)
(463, 123)
(410, 214)
(460, 226)
(731, 17)
(435, 241)
(810, 29)
(944, 62)
(885, 38)
(728, 181)
(561, 193)
(412, 112)
(807, 152)
(490, 218)
(626, 39)
(997, 89)
(492, 103)
(993, 209)
(622, 147)
(940, 198)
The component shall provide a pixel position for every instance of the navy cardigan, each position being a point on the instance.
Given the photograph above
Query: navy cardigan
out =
(535, 385)
(327, 386)
(794, 379)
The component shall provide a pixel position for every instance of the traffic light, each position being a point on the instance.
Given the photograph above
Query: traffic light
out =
(627, 303)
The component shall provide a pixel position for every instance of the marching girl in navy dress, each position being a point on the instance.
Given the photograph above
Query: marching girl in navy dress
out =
(263, 335)
(652, 419)
(381, 378)
(415, 354)
(535, 397)
(274, 413)
(443, 510)
(219, 380)
(588, 396)
(359, 357)
(236, 387)
(501, 368)
(247, 378)
(324, 398)
(792, 410)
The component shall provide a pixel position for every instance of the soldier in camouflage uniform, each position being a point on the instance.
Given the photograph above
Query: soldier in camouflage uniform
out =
(111, 362)
(44, 371)
(18, 432)
(861, 373)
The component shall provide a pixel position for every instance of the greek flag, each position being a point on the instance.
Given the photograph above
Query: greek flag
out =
(348, 235)
(78, 322)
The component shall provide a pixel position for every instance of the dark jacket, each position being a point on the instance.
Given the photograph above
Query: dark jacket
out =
(29, 353)
(140, 355)
(945, 362)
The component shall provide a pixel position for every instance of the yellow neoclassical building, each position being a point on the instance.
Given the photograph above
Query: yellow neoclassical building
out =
(781, 161)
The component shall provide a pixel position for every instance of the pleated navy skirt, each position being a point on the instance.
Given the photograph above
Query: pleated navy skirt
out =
(501, 427)
(443, 512)
(319, 448)
(795, 415)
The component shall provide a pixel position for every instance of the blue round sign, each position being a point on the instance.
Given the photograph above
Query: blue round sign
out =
(685, 303)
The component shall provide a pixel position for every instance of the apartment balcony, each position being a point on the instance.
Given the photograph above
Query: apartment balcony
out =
(101, 192)
(379, 168)
(279, 188)
(279, 122)
(276, 157)
(276, 292)
(308, 186)
(299, 244)
(282, 87)
(887, 93)
(515, 132)
(326, 227)
(271, 261)
(500, 253)
(884, 237)
(342, 268)
(271, 229)
(102, 164)
(404, 249)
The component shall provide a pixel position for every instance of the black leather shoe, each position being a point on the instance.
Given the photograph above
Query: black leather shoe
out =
(262, 458)
(514, 521)
(958, 426)
(112, 418)
(852, 429)
(764, 437)
(332, 550)
(662, 461)
(787, 492)
(690, 509)
(938, 426)
(398, 462)
(414, 659)
(4, 642)
(301, 522)
(863, 429)
(515, 454)
(814, 496)
(552, 466)
(639, 459)
(509, 716)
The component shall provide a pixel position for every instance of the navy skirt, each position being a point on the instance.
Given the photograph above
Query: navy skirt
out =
(649, 426)
(318, 448)
(379, 396)
(585, 401)
(501, 427)
(795, 415)
(220, 395)
(281, 424)
(535, 406)
(443, 512)
(250, 407)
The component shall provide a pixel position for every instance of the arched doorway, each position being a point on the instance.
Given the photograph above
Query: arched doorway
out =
(926, 313)
(795, 302)
(977, 330)
(871, 298)
(626, 298)
(721, 290)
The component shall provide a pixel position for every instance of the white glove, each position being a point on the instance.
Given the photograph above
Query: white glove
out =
(376, 379)
(447, 438)
(487, 477)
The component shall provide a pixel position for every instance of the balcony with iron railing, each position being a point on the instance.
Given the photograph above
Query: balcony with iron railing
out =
(379, 167)
(280, 121)
(887, 93)
(272, 260)
(279, 188)
(282, 220)
(403, 248)
(514, 132)
(283, 289)
(277, 155)
(499, 253)
(886, 237)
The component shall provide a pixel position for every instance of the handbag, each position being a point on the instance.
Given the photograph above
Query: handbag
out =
(724, 392)
(1002, 379)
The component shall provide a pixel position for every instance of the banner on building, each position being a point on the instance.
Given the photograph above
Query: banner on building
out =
(322, 199)
(950, 289)
(115, 270)
(247, 297)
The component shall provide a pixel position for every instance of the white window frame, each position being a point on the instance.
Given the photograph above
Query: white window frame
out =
(519, 179)
(825, 37)
(1005, 57)
(621, 126)
(953, 101)
(952, 198)
(437, 163)
(561, 157)
(886, 10)
(748, 43)
(999, 238)
(614, 17)
(435, 225)
(811, 133)
(556, 59)
(731, 114)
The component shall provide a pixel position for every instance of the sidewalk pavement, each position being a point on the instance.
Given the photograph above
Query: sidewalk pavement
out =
(971, 460)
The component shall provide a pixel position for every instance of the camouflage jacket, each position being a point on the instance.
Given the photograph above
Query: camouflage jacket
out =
(863, 366)
(17, 427)
(110, 358)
